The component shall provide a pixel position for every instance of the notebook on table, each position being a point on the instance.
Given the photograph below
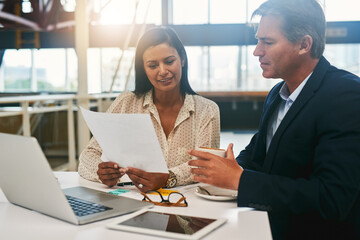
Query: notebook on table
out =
(28, 181)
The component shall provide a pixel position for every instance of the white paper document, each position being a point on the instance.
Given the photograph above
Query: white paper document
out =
(127, 139)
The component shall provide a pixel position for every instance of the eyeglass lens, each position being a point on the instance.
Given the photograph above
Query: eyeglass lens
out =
(156, 196)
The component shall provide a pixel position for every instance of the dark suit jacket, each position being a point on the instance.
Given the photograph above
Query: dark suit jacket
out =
(309, 180)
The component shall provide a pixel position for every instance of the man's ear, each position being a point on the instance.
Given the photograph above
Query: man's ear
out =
(305, 44)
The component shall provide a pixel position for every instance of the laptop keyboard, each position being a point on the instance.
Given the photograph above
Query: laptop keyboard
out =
(82, 208)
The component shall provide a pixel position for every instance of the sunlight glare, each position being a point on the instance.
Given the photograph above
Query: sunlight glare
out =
(118, 12)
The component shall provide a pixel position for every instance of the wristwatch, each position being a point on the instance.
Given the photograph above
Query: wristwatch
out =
(171, 182)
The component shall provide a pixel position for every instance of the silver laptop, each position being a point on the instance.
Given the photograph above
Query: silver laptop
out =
(28, 181)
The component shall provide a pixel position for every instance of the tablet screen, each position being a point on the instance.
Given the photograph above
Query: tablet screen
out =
(168, 222)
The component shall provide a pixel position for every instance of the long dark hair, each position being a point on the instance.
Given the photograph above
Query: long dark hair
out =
(153, 37)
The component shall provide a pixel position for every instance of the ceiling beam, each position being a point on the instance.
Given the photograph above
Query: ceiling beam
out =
(191, 35)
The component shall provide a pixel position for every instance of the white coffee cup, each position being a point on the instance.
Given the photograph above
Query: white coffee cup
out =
(216, 151)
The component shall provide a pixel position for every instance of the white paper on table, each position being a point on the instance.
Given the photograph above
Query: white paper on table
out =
(127, 139)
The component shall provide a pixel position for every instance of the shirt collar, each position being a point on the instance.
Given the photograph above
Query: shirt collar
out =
(189, 102)
(285, 93)
(148, 99)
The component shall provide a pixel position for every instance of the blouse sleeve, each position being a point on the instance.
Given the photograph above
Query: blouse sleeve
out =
(90, 157)
(89, 160)
(207, 135)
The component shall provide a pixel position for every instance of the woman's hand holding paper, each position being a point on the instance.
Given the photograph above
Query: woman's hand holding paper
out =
(109, 173)
(146, 181)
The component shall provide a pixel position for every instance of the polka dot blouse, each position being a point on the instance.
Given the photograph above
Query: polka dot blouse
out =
(197, 124)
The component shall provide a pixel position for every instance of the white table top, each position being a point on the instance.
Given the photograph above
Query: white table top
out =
(20, 223)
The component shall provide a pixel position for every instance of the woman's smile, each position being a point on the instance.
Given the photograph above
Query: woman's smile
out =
(165, 80)
(163, 67)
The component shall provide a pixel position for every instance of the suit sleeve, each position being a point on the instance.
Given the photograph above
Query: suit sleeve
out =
(245, 157)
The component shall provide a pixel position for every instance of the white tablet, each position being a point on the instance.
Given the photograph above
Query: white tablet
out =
(166, 225)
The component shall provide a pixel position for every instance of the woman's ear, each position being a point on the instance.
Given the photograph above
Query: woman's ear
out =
(182, 62)
(305, 44)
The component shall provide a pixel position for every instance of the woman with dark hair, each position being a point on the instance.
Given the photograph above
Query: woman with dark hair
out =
(182, 119)
(152, 38)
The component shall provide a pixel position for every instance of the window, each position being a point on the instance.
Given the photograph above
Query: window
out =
(211, 68)
(345, 56)
(211, 11)
(50, 65)
(196, 14)
(198, 67)
(223, 68)
(50, 70)
(232, 68)
(16, 71)
(122, 12)
(227, 11)
(344, 10)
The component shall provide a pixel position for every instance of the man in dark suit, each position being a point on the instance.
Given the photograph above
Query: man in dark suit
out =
(303, 164)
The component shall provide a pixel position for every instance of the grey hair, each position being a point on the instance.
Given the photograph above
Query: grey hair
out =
(300, 18)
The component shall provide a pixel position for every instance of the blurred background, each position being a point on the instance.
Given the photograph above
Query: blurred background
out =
(56, 55)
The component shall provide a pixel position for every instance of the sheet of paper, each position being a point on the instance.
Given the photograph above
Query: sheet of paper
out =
(128, 139)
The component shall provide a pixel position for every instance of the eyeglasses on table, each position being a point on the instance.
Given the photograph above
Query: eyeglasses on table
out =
(174, 199)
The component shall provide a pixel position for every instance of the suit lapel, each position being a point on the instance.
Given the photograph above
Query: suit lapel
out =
(305, 95)
(271, 103)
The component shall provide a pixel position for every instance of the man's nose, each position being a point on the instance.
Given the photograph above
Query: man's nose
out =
(258, 51)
